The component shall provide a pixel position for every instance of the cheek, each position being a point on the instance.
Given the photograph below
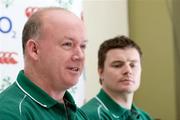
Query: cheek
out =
(110, 75)
(137, 72)
(137, 76)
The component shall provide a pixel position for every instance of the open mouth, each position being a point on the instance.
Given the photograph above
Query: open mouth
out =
(75, 69)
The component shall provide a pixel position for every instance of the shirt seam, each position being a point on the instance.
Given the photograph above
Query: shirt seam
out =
(102, 104)
(20, 104)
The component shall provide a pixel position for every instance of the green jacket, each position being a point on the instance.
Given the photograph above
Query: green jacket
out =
(23, 100)
(102, 107)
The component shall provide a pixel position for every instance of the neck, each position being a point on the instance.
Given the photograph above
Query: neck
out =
(44, 84)
(123, 99)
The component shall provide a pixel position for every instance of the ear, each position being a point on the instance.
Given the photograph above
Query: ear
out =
(100, 72)
(32, 48)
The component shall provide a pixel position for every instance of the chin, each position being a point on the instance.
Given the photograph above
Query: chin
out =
(128, 90)
(73, 84)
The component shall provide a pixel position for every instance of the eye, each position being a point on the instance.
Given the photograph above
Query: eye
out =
(83, 46)
(117, 65)
(132, 65)
(67, 45)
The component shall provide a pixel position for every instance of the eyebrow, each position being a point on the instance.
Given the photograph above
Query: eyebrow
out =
(70, 38)
(118, 61)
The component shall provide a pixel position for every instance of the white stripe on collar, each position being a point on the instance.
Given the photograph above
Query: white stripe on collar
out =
(30, 95)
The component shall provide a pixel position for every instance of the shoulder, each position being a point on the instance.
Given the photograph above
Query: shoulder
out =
(10, 96)
(95, 111)
(10, 102)
(8, 115)
(143, 114)
(91, 109)
(91, 105)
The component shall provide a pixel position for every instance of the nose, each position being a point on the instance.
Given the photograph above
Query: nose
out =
(127, 70)
(78, 54)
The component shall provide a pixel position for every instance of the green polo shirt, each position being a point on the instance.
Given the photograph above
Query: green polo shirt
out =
(102, 107)
(23, 100)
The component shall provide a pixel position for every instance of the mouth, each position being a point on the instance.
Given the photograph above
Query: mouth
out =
(74, 69)
(127, 80)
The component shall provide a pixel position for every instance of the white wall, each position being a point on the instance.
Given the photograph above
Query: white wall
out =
(104, 19)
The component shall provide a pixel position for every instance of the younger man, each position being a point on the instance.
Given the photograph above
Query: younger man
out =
(119, 68)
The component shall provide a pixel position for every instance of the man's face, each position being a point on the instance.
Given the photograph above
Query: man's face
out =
(122, 71)
(62, 48)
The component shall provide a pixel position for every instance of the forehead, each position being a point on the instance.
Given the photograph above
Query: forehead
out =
(60, 16)
(64, 24)
(127, 54)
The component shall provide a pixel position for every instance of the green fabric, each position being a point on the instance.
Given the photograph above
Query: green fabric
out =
(102, 107)
(23, 100)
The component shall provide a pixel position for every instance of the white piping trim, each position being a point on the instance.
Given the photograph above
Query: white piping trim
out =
(30, 95)
(115, 116)
(20, 104)
(99, 116)
(102, 103)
